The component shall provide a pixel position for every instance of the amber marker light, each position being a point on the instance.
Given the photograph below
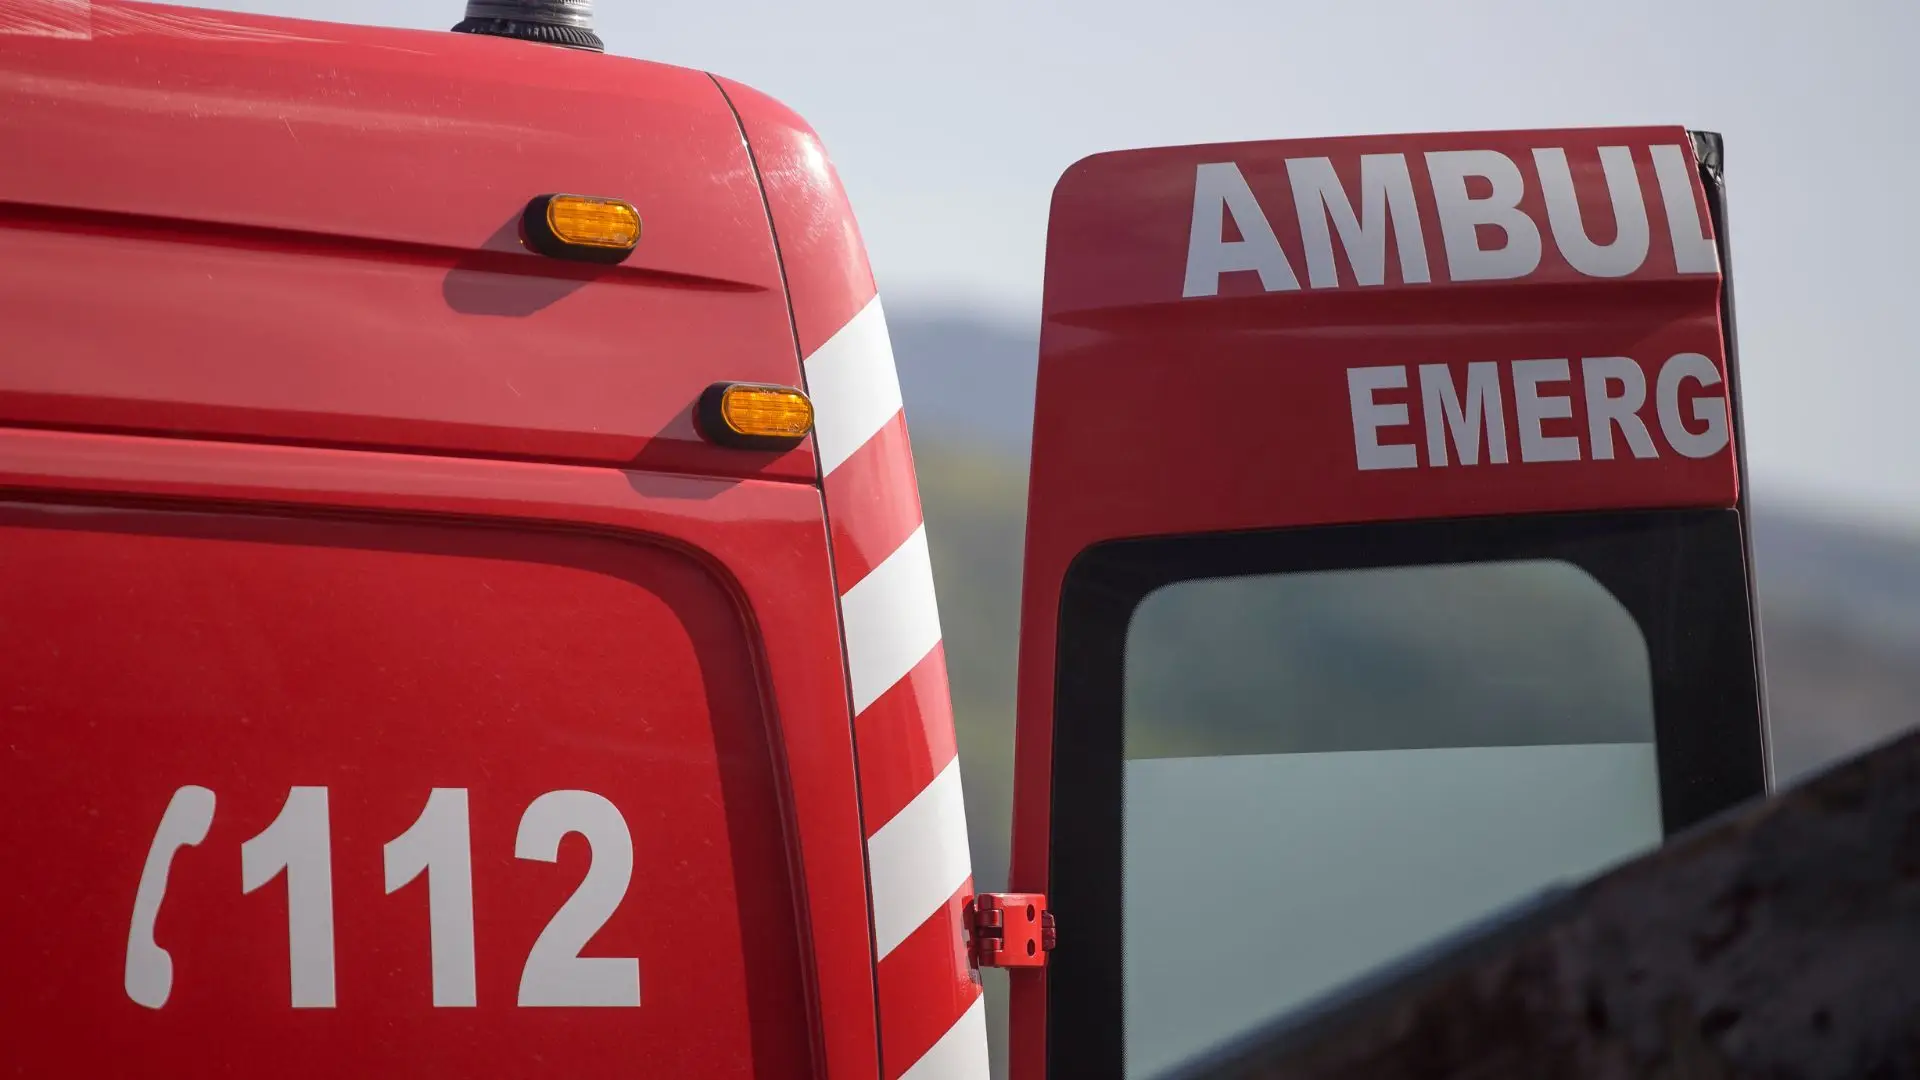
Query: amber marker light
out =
(585, 228)
(755, 416)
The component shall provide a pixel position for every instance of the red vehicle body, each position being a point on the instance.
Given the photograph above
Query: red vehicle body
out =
(319, 479)
(398, 676)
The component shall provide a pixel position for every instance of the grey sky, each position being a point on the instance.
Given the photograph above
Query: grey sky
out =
(949, 124)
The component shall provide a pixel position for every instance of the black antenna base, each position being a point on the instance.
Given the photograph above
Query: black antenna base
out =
(571, 36)
(550, 22)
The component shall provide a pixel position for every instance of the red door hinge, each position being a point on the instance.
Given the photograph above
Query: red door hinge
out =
(1009, 930)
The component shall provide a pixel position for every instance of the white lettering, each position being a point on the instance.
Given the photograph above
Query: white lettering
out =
(1445, 412)
(1461, 215)
(1219, 190)
(1629, 248)
(556, 974)
(1606, 411)
(1386, 196)
(1530, 408)
(300, 845)
(1615, 394)
(1693, 250)
(438, 845)
(1476, 192)
(1710, 410)
(1369, 416)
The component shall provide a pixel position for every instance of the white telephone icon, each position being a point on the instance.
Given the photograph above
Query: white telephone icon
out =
(189, 815)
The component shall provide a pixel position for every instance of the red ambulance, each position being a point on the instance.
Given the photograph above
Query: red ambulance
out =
(465, 608)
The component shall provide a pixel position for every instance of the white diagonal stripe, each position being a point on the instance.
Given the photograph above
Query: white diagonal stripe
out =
(891, 620)
(919, 859)
(961, 1054)
(854, 386)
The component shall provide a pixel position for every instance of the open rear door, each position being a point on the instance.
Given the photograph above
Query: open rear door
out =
(1386, 562)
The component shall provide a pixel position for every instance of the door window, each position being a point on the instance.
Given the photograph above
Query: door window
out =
(1326, 769)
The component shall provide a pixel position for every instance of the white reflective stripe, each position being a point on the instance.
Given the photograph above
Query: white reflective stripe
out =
(919, 859)
(891, 620)
(854, 386)
(961, 1054)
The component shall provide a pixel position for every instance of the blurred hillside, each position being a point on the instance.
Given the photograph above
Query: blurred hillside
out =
(1840, 603)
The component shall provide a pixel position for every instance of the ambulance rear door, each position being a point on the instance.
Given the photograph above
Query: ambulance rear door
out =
(1386, 562)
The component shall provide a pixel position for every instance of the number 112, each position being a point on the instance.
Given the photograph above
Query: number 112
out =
(298, 844)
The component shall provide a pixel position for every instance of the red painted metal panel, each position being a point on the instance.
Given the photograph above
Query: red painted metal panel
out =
(1291, 333)
(428, 139)
(877, 497)
(931, 1019)
(905, 738)
(252, 618)
(260, 229)
(826, 263)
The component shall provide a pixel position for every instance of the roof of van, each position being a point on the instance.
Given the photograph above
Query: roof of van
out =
(410, 155)
(395, 136)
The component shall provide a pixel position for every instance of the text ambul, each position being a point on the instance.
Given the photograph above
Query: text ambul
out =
(1479, 197)
(1464, 421)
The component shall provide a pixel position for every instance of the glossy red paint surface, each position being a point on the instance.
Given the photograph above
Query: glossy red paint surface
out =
(396, 623)
(826, 263)
(263, 229)
(1171, 402)
(145, 650)
(380, 484)
(929, 996)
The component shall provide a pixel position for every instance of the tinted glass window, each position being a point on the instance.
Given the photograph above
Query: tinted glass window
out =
(1326, 769)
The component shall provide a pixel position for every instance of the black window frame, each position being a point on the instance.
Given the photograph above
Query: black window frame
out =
(1683, 575)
